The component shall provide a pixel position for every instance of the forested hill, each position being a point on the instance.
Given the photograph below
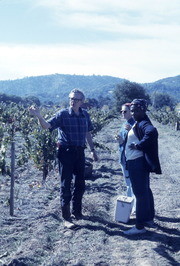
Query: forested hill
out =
(57, 86)
(169, 85)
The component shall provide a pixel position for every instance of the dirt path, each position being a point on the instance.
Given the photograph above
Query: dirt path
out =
(35, 236)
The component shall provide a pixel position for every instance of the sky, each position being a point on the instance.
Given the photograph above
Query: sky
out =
(136, 40)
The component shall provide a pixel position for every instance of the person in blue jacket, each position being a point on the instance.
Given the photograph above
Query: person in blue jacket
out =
(141, 153)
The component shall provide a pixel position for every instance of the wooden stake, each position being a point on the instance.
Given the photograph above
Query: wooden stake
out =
(12, 178)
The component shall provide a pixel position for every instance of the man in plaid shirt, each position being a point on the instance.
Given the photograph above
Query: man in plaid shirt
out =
(74, 129)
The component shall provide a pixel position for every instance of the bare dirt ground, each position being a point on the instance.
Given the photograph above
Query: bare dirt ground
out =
(35, 234)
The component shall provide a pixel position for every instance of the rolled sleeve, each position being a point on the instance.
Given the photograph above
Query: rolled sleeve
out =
(55, 121)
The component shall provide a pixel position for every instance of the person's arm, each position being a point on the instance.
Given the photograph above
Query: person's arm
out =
(35, 112)
(121, 137)
(91, 145)
(150, 134)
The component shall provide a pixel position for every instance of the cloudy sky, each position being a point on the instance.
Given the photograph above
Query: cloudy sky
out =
(137, 40)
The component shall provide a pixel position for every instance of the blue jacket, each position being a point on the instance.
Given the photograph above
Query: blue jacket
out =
(123, 133)
(148, 143)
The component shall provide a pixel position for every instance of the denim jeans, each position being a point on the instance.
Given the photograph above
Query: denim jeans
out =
(127, 179)
(140, 181)
(72, 163)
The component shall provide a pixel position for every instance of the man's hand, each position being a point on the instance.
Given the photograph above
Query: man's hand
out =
(34, 111)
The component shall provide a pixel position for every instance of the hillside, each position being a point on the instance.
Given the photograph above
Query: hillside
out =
(35, 235)
(168, 85)
(56, 87)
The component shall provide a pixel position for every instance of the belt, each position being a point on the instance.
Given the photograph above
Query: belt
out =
(76, 148)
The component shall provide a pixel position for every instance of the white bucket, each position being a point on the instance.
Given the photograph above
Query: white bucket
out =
(123, 209)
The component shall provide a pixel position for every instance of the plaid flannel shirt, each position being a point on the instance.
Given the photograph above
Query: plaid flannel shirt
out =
(72, 128)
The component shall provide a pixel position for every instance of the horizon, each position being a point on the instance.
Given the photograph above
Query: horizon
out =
(26, 77)
(138, 41)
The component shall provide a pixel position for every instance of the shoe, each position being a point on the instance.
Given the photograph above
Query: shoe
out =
(134, 231)
(150, 224)
(69, 224)
(77, 216)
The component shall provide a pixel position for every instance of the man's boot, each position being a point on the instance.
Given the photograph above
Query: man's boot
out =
(77, 211)
(66, 214)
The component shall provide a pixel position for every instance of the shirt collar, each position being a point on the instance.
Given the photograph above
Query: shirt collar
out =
(72, 113)
(131, 121)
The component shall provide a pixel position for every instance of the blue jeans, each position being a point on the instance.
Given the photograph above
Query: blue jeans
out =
(126, 177)
(140, 181)
(72, 163)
